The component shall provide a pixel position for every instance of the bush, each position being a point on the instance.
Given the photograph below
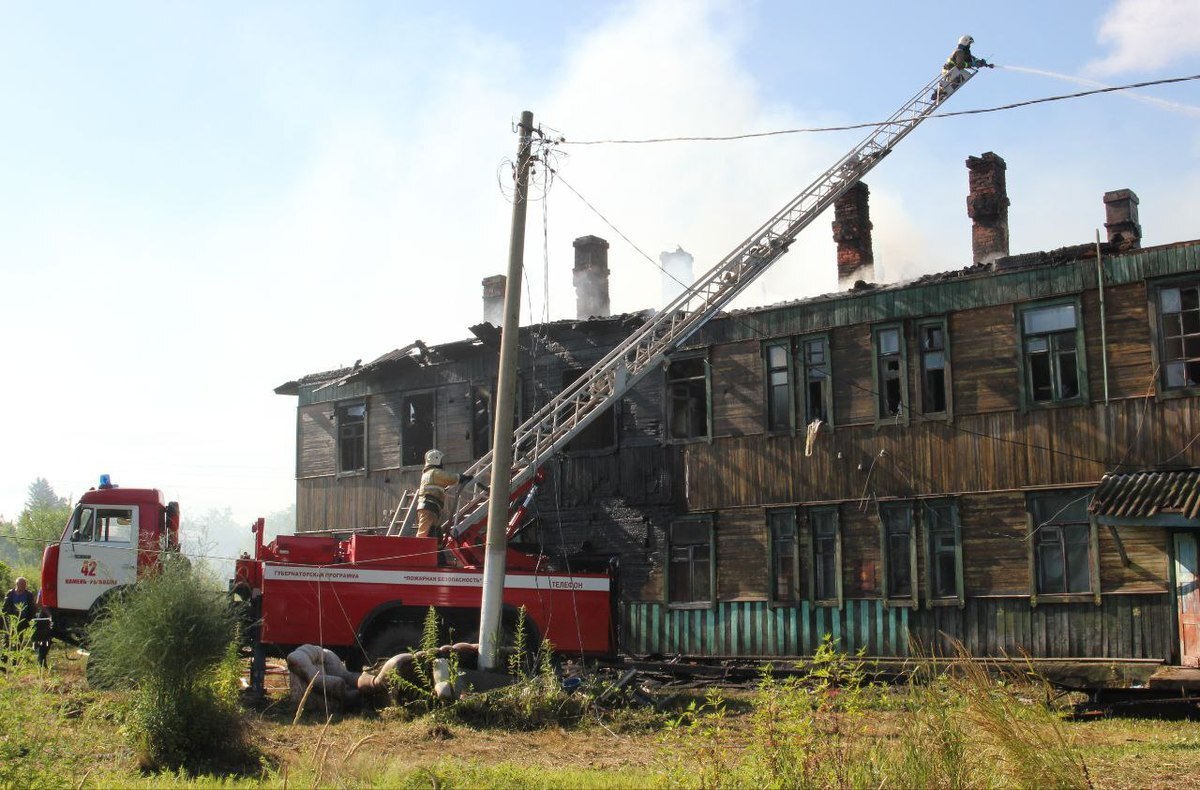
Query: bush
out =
(174, 639)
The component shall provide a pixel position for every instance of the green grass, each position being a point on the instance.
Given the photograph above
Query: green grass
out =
(957, 731)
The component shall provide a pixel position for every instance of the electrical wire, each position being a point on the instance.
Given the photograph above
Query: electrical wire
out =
(869, 124)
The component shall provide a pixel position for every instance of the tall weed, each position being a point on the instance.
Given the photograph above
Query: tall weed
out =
(173, 638)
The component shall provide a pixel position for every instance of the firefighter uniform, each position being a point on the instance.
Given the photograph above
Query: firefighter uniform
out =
(432, 498)
(952, 73)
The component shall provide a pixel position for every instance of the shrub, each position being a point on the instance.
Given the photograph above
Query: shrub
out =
(173, 638)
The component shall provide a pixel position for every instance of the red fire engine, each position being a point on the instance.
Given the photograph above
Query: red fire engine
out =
(369, 594)
(114, 534)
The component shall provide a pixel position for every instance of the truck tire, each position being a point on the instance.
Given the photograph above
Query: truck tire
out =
(391, 639)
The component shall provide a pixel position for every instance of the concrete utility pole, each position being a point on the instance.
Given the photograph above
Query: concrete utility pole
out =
(495, 554)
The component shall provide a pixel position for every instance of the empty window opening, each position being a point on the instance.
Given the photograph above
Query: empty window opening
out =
(416, 428)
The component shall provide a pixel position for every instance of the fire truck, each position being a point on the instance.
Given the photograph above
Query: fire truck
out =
(114, 535)
(366, 593)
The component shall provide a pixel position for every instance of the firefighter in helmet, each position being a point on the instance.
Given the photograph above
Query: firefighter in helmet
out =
(432, 496)
(952, 72)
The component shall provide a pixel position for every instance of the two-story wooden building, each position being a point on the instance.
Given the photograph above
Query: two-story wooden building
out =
(890, 465)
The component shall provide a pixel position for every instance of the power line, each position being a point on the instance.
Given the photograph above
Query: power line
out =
(869, 124)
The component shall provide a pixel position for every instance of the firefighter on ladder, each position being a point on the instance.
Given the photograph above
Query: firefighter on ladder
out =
(432, 496)
(952, 72)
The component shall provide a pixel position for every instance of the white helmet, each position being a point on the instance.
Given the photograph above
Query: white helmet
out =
(433, 458)
(966, 41)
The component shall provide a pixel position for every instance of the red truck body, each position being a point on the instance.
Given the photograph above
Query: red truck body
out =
(346, 595)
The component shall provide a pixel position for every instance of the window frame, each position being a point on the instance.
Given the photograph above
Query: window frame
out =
(1023, 368)
(902, 416)
(433, 439)
(928, 518)
(702, 355)
(948, 376)
(802, 378)
(707, 520)
(911, 600)
(611, 412)
(1092, 595)
(772, 557)
(769, 426)
(1157, 338)
(810, 523)
(339, 411)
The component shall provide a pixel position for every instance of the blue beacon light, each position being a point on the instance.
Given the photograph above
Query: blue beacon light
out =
(105, 481)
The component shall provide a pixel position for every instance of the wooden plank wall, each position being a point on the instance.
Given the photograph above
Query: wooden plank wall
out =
(1121, 627)
(988, 452)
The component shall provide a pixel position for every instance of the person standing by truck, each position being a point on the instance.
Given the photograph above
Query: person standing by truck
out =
(431, 499)
(18, 610)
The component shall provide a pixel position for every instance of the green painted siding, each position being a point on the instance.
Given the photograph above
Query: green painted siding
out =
(1121, 627)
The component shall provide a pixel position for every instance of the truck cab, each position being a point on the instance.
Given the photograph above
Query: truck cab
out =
(114, 536)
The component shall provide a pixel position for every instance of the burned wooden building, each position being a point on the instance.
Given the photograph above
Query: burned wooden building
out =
(1000, 456)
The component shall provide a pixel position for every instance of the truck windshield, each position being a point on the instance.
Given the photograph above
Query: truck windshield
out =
(80, 527)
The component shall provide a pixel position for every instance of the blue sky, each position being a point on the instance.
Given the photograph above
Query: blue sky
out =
(199, 202)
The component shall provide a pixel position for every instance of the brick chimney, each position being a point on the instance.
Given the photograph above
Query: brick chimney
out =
(1121, 219)
(987, 206)
(493, 299)
(852, 232)
(591, 277)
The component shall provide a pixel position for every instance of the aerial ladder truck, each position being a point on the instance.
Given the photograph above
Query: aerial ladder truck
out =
(368, 595)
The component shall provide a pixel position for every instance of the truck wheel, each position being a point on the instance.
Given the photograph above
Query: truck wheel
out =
(391, 639)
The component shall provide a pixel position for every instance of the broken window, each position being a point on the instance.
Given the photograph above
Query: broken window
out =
(779, 385)
(416, 428)
(690, 571)
(944, 558)
(899, 556)
(601, 434)
(481, 421)
(1049, 336)
(687, 399)
(889, 371)
(1179, 335)
(785, 567)
(825, 556)
(1062, 543)
(935, 382)
(818, 391)
(351, 421)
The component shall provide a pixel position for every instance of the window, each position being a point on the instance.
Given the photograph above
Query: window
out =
(935, 368)
(1179, 335)
(690, 572)
(943, 571)
(602, 433)
(687, 399)
(481, 421)
(889, 372)
(103, 525)
(814, 371)
(1064, 543)
(352, 438)
(899, 551)
(1050, 339)
(416, 428)
(778, 360)
(785, 562)
(825, 556)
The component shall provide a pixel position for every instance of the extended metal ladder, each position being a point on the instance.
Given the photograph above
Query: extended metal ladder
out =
(556, 423)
